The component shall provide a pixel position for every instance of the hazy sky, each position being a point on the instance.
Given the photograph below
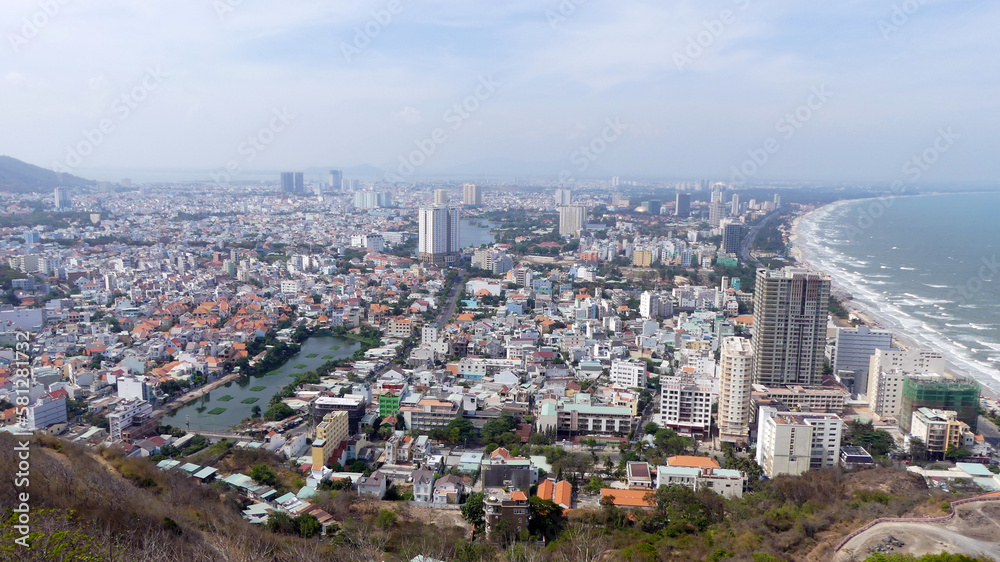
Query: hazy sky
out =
(201, 76)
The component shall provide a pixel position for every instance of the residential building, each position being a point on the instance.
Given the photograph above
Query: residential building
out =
(886, 371)
(439, 235)
(725, 482)
(574, 419)
(629, 373)
(374, 485)
(330, 433)
(686, 405)
(472, 195)
(732, 236)
(46, 411)
(939, 430)
(736, 371)
(563, 197)
(853, 457)
(500, 469)
(129, 419)
(792, 443)
(682, 205)
(448, 490)
(510, 508)
(804, 398)
(789, 323)
(853, 349)
(940, 392)
(638, 475)
(292, 182)
(572, 220)
(649, 305)
(642, 258)
(423, 485)
(429, 414)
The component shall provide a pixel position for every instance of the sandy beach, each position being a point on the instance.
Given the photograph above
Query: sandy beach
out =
(858, 310)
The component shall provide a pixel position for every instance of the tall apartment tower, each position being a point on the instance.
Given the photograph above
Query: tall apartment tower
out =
(336, 180)
(734, 205)
(472, 195)
(732, 236)
(789, 323)
(572, 220)
(716, 212)
(564, 197)
(440, 196)
(682, 205)
(736, 362)
(292, 182)
(62, 199)
(438, 238)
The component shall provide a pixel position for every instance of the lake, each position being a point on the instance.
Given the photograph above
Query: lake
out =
(231, 396)
(471, 235)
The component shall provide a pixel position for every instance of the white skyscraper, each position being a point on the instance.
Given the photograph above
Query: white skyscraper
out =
(736, 362)
(472, 195)
(886, 371)
(564, 197)
(649, 305)
(440, 196)
(572, 220)
(62, 199)
(439, 241)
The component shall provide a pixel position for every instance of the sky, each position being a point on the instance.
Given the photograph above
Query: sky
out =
(744, 90)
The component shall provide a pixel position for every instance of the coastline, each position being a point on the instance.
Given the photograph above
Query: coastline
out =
(858, 308)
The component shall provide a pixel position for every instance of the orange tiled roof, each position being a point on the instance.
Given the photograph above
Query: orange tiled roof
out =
(546, 489)
(626, 498)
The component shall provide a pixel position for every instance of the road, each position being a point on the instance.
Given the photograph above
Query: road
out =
(747, 244)
(989, 431)
(446, 312)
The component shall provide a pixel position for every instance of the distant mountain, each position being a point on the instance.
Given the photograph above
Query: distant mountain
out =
(22, 177)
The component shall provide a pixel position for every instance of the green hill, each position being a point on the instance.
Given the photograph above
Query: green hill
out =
(21, 177)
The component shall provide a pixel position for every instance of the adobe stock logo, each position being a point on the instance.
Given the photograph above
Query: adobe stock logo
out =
(787, 127)
(121, 109)
(33, 25)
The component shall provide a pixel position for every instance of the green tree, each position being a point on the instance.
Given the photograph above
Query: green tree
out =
(279, 411)
(474, 509)
(264, 474)
(307, 525)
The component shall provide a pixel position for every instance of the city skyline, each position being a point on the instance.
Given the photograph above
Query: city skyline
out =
(538, 82)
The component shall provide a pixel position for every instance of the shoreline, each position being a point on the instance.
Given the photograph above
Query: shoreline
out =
(861, 311)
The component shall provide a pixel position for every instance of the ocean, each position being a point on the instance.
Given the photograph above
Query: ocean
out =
(926, 267)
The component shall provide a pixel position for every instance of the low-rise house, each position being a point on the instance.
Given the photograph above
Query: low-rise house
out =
(374, 485)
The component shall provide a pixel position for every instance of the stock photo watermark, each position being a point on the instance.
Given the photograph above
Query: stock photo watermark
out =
(587, 153)
(32, 26)
(786, 127)
(900, 16)
(455, 116)
(121, 109)
(363, 36)
(254, 145)
(704, 39)
(562, 12)
(913, 169)
(975, 284)
(22, 381)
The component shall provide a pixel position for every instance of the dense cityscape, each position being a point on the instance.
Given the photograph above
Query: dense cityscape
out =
(500, 359)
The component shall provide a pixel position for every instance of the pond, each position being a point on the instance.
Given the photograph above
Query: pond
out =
(475, 232)
(229, 404)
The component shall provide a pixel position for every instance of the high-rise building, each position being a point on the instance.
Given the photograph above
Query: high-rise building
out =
(736, 362)
(440, 196)
(789, 323)
(564, 197)
(886, 370)
(629, 373)
(734, 205)
(649, 305)
(777, 200)
(853, 349)
(438, 241)
(940, 392)
(732, 236)
(682, 205)
(572, 220)
(336, 180)
(716, 212)
(62, 199)
(292, 182)
(472, 195)
(686, 405)
(717, 192)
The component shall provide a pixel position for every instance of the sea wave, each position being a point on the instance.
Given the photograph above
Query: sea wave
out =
(894, 310)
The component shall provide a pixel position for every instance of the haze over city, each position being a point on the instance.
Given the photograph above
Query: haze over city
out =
(698, 84)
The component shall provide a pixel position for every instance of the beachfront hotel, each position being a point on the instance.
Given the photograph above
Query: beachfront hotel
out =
(789, 319)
